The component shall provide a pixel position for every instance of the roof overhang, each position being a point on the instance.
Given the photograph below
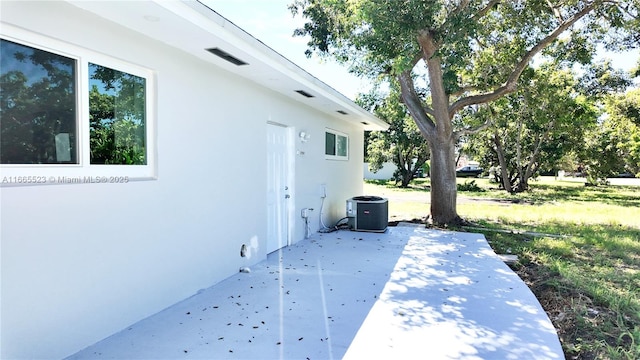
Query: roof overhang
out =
(198, 30)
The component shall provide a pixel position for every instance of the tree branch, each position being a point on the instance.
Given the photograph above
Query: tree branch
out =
(534, 157)
(482, 12)
(469, 131)
(416, 59)
(625, 9)
(511, 84)
(412, 101)
(464, 89)
(555, 10)
(502, 161)
(463, 5)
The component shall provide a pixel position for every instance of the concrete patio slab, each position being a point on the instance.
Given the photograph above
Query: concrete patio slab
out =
(408, 293)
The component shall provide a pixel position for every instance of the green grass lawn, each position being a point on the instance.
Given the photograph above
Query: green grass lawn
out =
(578, 250)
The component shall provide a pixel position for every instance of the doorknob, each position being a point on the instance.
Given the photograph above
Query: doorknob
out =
(287, 196)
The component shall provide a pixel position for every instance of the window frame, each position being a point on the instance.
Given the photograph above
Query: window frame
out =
(335, 156)
(84, 171)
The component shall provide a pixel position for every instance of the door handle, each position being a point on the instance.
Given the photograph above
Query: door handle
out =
(287, 196)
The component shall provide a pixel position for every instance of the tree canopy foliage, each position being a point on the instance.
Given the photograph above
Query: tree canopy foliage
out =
(450, 54)
(614, 145)
(402, 144)
(546, 119)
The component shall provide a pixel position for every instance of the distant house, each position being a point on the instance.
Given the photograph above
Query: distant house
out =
(385, 173)
(143, 144)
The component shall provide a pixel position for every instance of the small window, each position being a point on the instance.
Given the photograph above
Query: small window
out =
(38, 106)
(336, 145)
(117, 117)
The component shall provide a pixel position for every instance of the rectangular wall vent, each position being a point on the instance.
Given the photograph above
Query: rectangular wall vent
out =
(226, 56)
(304, 93)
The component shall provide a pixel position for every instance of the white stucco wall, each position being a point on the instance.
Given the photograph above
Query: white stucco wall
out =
(82, 261)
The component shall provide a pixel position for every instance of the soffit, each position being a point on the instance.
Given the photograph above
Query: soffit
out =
(192, 27)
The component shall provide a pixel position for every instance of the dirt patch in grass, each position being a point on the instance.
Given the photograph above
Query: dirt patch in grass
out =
(560, 307)
(579, 321)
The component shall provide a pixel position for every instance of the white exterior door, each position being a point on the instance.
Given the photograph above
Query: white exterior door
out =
(278, 188)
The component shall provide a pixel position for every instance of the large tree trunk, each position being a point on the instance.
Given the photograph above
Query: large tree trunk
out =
(407, 176)
(443, 181)
(437, 129)
(441, 140)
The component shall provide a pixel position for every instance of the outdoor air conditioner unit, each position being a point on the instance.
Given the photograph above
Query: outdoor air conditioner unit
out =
(368, 213)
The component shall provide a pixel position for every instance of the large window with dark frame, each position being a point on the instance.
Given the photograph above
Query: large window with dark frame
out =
(38, 106)
(42, 93)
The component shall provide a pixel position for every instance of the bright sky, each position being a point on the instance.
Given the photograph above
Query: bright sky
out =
(272, 23)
